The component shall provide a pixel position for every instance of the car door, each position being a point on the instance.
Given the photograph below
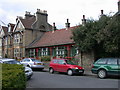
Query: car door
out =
(54, 64)
(62, 67)
(112, 66)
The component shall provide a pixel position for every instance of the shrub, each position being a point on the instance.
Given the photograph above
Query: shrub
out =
(13, 76)
(45, 58)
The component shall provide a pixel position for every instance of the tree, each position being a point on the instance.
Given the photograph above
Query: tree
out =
(102, 36)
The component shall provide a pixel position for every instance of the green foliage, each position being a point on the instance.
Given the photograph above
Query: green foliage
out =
(45, 58)
(13, 76)
(102, 36)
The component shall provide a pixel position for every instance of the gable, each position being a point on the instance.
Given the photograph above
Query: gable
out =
(19, 26)
(4, 31)
(1, 32)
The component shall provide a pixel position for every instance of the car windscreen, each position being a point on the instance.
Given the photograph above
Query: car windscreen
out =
(69, 62)
(34, 60)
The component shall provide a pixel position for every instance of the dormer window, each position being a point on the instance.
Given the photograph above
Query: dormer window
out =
(42, 28)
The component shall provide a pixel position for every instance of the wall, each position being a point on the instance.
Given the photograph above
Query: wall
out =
(85, 59)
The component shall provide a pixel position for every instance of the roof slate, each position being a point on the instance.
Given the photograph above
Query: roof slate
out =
(58, 37)
(28, 22)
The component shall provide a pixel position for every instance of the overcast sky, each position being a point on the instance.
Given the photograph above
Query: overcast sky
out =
(58, 10)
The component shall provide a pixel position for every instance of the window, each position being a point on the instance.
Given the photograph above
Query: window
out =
(17, 38)
(54, 61)
(60, 51)
(32, 53)
(112, 61)
(61, 61)
(16, 52)
(26, 60)
(44, 51)
(101, 61)
(74, 51)
(69, 62)
(6, 40)
(9, 29)
(119, 61)
(42, 27)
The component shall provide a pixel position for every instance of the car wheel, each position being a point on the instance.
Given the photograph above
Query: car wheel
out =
(28, 65)
(70, 72)
(102, 74)
(51, 70)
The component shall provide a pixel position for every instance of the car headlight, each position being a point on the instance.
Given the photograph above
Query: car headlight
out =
(76, 67)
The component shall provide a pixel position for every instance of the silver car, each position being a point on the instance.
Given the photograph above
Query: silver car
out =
(33, 63)
(28, 70)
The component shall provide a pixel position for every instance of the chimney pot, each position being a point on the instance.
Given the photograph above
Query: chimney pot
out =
(83, 16)
(54, 27)
(67, 24)
(101, 12)
(83, 20)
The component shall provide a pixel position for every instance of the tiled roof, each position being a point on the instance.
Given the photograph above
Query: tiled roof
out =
(58, 37)
(28, 22)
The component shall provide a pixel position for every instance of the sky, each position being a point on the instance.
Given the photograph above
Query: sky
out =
(58, 10)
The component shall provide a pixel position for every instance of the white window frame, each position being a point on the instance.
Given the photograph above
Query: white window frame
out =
(44, 51)
(60, 51)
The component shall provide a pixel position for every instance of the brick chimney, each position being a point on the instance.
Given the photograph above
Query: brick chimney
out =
(102, 12)
(83, 20)
(119, 6)
(67, 24)
(41, 22)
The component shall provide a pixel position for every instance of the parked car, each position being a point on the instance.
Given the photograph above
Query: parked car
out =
(65, 65)
(104, 67)
(28, 70)
(33, 63)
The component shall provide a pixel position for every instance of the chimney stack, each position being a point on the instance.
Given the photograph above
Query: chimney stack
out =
(101, 12)
(54, 27)
(83, 20)
(119, 6)
(27, 15)
(67, 24)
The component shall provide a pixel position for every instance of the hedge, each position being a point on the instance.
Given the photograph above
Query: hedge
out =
(45, 58)
(13, 76)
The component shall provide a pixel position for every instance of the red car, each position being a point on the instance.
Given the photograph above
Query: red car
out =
(64, 65)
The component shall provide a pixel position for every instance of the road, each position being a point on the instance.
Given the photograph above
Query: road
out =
(43, 79)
